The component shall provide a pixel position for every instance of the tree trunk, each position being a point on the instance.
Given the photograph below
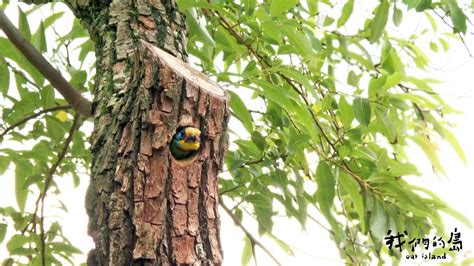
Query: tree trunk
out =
(145, 207)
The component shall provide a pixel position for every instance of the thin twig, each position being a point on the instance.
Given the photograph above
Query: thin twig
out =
(72, 96)
(459, 34)
(252, 239)
(42, 237)
(33, 116)
(22, 75)
(52, 170)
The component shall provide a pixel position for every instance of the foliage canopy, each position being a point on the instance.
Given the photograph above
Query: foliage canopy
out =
(330, 108)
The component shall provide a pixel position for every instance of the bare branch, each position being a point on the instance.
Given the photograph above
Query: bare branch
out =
(33, 116)
(72, 96)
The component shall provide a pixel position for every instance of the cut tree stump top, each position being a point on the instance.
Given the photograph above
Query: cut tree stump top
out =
(187, 72)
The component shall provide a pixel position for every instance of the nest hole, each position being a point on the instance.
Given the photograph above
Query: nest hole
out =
(177, 154)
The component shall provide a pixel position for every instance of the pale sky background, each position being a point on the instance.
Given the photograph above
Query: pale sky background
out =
(313, 246)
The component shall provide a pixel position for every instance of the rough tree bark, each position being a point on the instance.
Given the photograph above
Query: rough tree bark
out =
(145, 207)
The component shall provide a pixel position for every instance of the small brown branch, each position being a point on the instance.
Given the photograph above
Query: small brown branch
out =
(252, 239)
(452, 27)
(72, 96)
(42, 237)
(33, 116)
(22, 75)
(52, 170)
(465, 45)
(62, 154)
(231, 189)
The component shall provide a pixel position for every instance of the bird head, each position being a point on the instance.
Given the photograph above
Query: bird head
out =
(188, 139)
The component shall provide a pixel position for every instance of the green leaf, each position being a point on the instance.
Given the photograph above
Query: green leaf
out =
(23, 170)
(277, 7)
(4, 163)
(4, 77)
(78, 78)
(353, 79)
(9, 51)
(18, 241)
(397, 16)
(3, 231)
(272, 31)
(195, 27)
(250, 6)
(362, 112)
(457, 16)
(411, 3)
(86, 48)
(297, 142)
(328, 21)
(376, 85)
(259, 140)
(377, 26)
(445, 44)
(23, 25)
(39, 39)
(240, 111)
(262, 205)
(423, 5)
(449, 137)
(455, 144)
(55, 128)
(378, 221)
(249, 148)
(403, 169)
(326, 188)
(392, 81)
(386, 124)
(458, 215)
(430, 151)
(64, 248)
(285, 247)
(345, 109)
(353, 188)
(393, 64)
(51, 19)
(301, 200)
(299, 41)
(247, 252)
(47, 96)
(346, 13)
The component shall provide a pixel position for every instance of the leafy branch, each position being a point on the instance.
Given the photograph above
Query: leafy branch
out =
(75, 126)
(33, 116)
(72, 96)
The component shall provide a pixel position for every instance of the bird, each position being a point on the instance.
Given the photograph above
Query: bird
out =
(185, 142)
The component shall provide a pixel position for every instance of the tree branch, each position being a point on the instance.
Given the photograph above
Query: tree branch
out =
(75, 126)
(252, 239)
(72, 96)
(26, 119)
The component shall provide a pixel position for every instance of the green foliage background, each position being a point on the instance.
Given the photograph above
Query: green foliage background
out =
(332, 108)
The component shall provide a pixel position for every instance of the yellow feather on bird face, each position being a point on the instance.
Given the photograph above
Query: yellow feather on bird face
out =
(191, 139)
(188, 146)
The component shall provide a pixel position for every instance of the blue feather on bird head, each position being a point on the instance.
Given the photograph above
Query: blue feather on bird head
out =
(185, 142)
